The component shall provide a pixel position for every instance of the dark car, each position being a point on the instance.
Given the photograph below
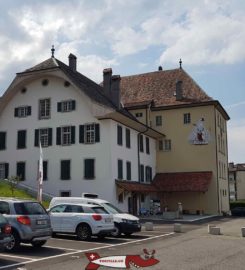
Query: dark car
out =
(238, 211)
(5, 230)
(29, 221)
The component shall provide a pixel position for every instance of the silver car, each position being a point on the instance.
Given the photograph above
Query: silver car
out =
(5, 230)
(29, 221)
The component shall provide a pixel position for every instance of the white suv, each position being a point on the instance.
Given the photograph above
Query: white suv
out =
(124, 222)
(81, 219)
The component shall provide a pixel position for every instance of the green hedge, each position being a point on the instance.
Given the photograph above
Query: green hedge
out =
(237, 204)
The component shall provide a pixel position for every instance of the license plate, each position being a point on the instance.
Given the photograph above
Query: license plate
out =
(41, 222)
(107, 219)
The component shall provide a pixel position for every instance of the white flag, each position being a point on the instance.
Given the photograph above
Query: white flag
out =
(40, 175)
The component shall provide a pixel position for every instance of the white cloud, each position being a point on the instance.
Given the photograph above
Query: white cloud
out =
(236, 142)
(235, 105)
(92, 66)
(236, 132)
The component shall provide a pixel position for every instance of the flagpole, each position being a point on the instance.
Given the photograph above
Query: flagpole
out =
(40, 175)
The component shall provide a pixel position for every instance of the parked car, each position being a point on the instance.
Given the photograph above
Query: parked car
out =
(29, 221)
(238, 211)
(124, 222)
(81, 219)
(5, 230)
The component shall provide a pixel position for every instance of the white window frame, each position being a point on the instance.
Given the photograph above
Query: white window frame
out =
(167, 145)
(66, 106)
(158, 120)
(187, 118)
(66, 135)
(44, 108)
(22, 111)
(43, 136)
(89, 133)
(139, 114)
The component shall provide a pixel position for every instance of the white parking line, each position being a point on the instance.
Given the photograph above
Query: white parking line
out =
(60, 239)
(71, 249)
(96, 243)
(17, 257)
(87, 250)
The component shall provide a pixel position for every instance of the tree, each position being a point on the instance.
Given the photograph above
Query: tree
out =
(13, 182)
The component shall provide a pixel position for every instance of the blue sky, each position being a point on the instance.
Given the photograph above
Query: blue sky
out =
(134, 37)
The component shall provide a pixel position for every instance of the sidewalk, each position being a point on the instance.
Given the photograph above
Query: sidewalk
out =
(232, 228)
(184, 219)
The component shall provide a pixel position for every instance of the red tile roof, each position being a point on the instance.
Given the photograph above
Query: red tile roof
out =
(136, 186)
(171, 182)
(183, 181)
(160, 86)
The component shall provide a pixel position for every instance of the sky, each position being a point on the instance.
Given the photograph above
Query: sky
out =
(132, 37)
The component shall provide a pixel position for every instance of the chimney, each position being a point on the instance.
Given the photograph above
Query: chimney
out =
(72, 62)
(115, 90)
(179, 90)
(107, 72)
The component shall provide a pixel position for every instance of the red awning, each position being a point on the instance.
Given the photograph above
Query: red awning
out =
(132, 186)
(183, 181)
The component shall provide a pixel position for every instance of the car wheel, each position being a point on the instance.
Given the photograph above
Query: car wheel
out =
(84, 232)
(54, 234)
(38, 243)
(117, 232)
(14, 243)
(128, 234)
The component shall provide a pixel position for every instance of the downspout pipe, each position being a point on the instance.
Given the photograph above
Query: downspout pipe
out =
(139, 173)
(217, 165)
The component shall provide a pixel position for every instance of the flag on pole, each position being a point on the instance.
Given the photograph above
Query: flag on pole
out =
(40, 175)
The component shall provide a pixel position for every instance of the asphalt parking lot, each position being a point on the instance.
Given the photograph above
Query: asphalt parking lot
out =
(68, 245)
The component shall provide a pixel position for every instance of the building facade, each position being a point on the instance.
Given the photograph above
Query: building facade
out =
(88, 140)
(154, 137)
(192, 158)
(237, 181)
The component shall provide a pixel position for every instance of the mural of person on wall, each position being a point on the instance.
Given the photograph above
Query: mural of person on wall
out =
(199, 134)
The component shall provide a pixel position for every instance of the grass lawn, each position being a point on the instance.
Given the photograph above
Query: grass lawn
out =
(5, 191)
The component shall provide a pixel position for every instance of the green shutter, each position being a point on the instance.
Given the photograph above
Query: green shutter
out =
(97, 132)
(58, 136)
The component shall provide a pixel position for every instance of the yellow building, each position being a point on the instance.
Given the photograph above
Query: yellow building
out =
(192, 158)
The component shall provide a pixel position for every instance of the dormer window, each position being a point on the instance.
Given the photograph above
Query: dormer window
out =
(139, 114)
(22, 111)
(44, 108)
(66, 106)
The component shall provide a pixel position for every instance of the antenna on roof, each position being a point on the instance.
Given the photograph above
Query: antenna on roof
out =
(180, 63)
(52, 51)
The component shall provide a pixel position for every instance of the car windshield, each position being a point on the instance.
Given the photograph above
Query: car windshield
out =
(29, 208)
(111, 208)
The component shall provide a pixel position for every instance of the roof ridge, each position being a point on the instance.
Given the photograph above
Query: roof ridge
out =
(151, 72)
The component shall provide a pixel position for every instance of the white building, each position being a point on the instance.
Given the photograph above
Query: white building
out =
(89, 142)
